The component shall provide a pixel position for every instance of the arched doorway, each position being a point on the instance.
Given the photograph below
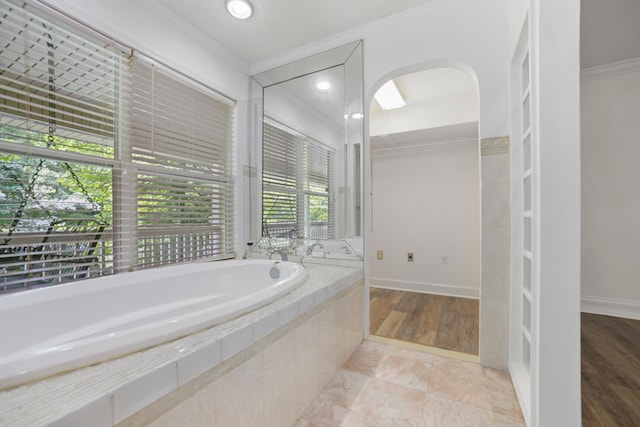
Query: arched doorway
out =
(425, 214)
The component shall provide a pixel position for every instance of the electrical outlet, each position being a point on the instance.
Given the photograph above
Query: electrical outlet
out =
(410, 256)
(444, 259)
(380, 254)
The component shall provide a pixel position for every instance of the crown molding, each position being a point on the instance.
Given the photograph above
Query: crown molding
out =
(610, 70)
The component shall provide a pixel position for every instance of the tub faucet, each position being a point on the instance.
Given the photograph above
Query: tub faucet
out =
(310, 248)
(282, 253)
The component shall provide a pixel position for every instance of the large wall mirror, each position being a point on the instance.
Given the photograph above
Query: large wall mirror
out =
(308, 132)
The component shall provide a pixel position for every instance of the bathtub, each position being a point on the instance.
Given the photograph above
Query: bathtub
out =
(50, 330)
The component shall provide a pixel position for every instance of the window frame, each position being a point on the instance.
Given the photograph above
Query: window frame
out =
(124, 232)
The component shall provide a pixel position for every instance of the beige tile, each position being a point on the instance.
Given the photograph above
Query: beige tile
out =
(502, 420)
(196, 411)
(494, 329)
(344, 389)
(404, 371)
(468, 388)
(502, 394)
(308, 384)
(280, 382)
(441, 412)
(387, 400)
(505, 404)
(411, 354)
(383, 385)
(244, 407)
(356, 419)
(349, 329)
(366, 358)
(323, 414)
(328, 342)
(342, 333)
(499, 381)
(457, 367)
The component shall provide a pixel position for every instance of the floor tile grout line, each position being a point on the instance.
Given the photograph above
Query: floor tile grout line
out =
(357, 407)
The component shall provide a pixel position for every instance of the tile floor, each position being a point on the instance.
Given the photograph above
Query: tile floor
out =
(383, 385)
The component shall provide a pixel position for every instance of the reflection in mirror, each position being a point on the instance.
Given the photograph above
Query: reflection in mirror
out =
(308, 128)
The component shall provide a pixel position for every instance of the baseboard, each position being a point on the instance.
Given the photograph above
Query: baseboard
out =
(426, 288)
(629, 309)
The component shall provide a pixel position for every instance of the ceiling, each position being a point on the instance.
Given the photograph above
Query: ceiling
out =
(438, 97)
(279, 26)
(609, 31)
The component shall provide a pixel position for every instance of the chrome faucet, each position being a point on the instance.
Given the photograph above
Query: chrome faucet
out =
(310, 248)
(282, 253)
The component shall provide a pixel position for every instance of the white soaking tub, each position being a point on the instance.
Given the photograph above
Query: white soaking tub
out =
(50, 330)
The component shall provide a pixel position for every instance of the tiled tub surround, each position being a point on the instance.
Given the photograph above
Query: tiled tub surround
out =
(110, 316)
(318, 325)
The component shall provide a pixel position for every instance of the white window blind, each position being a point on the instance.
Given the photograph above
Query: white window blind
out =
(297, 178)
(55, 83)
(107, 162)
(57, 130)
(181, 145)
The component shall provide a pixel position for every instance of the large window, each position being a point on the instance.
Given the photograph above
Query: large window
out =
(181, 148)
(297, 179)
(108, 162)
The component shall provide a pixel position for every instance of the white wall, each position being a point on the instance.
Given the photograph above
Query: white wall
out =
(426, 201)
(467, 34)
(610, 189)
(154, 30)
(283, 106)
(555, 60)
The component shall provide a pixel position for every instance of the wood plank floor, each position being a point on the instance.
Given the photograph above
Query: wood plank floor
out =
(610, 371)
(438, 321)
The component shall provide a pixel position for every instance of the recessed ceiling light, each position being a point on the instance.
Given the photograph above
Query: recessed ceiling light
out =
(323, 86)
(389, 97)
(241, 9)
(357, 116)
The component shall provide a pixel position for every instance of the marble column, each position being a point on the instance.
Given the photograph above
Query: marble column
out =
(496, 241)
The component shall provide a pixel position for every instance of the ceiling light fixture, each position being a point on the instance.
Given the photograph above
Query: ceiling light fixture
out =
(241, 9)
(389, 97)
(323, 86)
(357, 116)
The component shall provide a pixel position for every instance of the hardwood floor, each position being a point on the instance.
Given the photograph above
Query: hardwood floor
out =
(610, 371)
(437, 321)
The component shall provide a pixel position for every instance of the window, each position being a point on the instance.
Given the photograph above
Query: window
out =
(85, 193)
(297, 178)
(181, 141)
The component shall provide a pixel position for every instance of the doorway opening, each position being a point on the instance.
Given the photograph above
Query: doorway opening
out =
(425, 225)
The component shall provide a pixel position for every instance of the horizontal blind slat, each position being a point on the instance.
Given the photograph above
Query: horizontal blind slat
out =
(59, 82)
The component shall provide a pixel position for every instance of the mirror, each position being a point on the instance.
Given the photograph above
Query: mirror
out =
(308, 132)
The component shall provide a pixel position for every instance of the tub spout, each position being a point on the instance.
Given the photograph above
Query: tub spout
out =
(282, 253)
(310, 248)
